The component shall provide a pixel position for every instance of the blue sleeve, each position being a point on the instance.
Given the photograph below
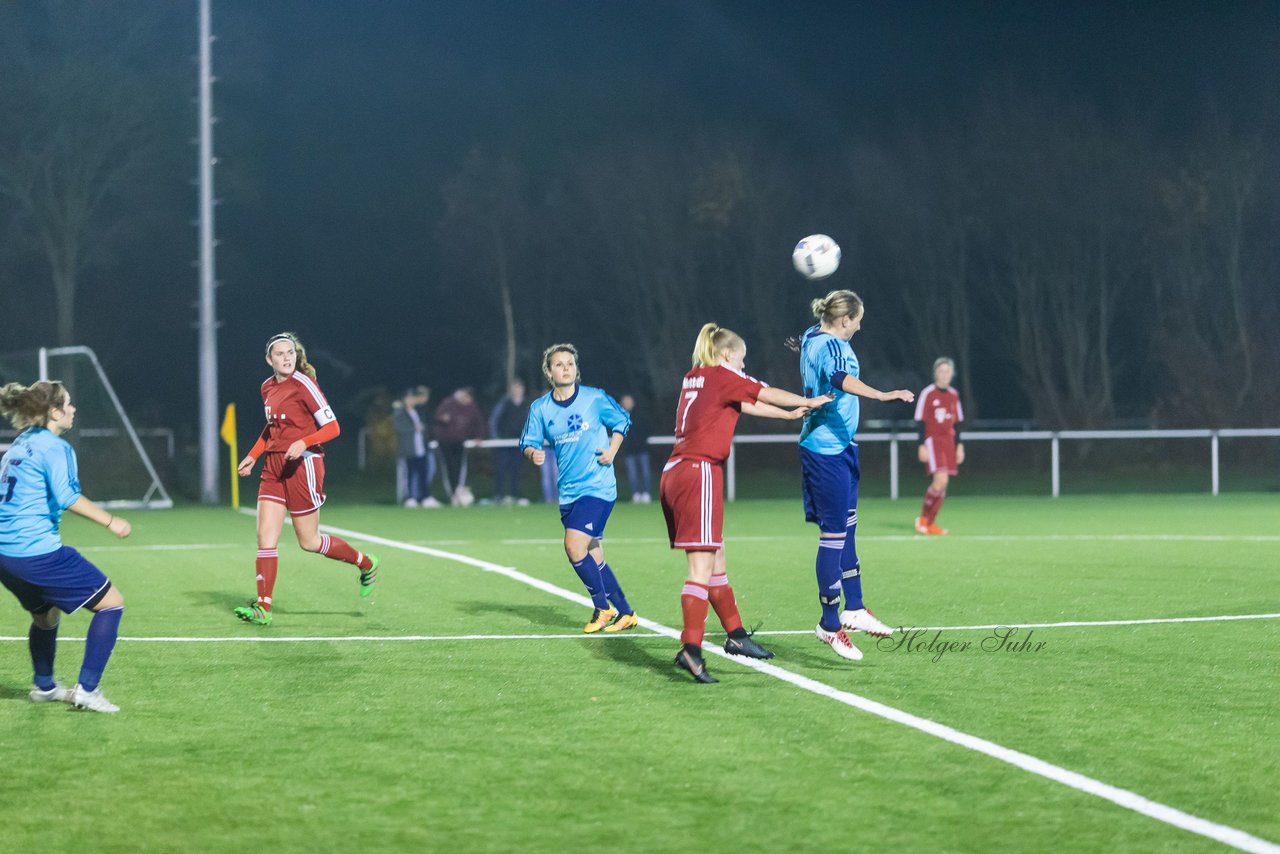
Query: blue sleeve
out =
(62, 474)
(613, 416)
(827, 362)
(534, 434)
(837, 380)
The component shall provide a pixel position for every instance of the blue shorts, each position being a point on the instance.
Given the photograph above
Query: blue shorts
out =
(830, 486)
(63, 579)
(588, 514)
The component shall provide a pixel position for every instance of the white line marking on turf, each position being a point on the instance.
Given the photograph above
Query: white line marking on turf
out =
(183, 547)
(1073, 624)
(1121, 797)
(343, 638)
(909, 538)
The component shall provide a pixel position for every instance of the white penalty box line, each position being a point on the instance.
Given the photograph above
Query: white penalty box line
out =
(1121, 797)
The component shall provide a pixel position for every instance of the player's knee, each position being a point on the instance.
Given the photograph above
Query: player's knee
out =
(113, 599)
(47, 619)
(309, 544)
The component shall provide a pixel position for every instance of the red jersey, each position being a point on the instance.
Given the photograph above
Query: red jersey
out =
(295, 409)
(708, 410)
(939, 411)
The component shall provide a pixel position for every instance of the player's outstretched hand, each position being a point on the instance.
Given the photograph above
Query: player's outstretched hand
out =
(245, 467)
(960, 454)
(922, 454)
(604, 456)
(537, 456)
(120, 527)
(297, 449)
(900, 394)
(795, 414)
(819, 402)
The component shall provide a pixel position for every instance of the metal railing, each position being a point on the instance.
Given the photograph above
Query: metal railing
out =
(894, 438)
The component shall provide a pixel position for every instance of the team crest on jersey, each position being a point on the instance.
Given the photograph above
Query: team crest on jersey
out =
(576, 422)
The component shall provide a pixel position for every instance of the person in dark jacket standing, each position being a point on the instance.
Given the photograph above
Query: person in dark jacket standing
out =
(409, 418)
(506, 422)
(457, 420)
(639, 467)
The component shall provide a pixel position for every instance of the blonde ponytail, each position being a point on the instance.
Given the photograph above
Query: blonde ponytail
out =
(835, 305)
(29, 405)
(712, 341)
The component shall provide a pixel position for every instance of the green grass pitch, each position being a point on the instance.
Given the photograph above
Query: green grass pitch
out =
(349, 739)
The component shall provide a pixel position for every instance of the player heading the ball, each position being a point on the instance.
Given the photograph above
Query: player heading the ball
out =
(712, 397)
(829, 466)
(585, 427)
(299, 421)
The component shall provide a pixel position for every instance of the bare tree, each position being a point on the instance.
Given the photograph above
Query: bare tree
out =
(78, 125)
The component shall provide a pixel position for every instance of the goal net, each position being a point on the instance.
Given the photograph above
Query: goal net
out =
(115, 469)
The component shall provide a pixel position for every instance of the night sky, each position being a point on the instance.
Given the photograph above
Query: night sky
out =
(341, 121)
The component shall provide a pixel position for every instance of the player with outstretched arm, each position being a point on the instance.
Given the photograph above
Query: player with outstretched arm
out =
(39, 480)
(829, 466)
(939, 414)
(712, 397)
(299, 421)
(585, 427)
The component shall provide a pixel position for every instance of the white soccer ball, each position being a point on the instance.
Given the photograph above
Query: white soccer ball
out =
(816, 257)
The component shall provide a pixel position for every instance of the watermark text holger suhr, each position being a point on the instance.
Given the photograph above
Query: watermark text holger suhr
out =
(1004, 639)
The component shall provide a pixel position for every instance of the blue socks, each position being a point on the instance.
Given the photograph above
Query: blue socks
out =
(613, 590)
(589, 571)
(98, 643)
(42, 643)
(830, 551)
(851, 578)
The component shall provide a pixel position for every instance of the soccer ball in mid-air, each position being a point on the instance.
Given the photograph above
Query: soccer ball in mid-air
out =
(816, 257)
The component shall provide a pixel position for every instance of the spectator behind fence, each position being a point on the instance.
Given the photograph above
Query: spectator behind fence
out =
(458, 419)
(409, 418)
(639, 468)
(507, 422)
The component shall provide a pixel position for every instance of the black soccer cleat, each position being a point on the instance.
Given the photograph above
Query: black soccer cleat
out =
(694, 664)
(746, 646)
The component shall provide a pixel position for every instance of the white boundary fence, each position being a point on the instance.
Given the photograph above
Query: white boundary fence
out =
(1055, 438)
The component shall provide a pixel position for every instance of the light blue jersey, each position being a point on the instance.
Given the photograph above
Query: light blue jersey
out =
(823, 356)
(578, 427)
(38, 480)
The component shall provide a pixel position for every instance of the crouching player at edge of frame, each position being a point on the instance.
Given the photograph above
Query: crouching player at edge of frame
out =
(713, 395)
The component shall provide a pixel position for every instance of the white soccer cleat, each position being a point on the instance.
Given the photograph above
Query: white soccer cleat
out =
(57, 694)
(92, 701)
(864, 621)
(840, 642)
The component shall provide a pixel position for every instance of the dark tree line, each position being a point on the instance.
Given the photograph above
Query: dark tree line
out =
(1095, 269)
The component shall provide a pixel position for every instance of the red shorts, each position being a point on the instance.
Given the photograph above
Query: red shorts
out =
(692, 495)
(297, 484)
(942, 456)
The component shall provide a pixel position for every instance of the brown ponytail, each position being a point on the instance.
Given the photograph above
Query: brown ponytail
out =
(30, 405)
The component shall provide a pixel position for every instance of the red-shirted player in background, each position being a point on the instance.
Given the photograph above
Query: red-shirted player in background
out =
(939, 412)
(298, 421)
(712, 397)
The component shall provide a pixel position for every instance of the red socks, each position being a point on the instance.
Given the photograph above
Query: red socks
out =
(932, 504)
(266, 566)
(721, 596)
(693, 604)
(337, 548)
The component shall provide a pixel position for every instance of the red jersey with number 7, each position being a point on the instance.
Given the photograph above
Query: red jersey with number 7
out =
(708, 410)
(295, 408)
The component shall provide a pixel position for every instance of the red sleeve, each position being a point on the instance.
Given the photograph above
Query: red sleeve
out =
(260, 445)
(745, 389)
(324, 434)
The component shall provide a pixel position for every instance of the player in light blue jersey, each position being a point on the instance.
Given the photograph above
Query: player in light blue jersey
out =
(829, 466)
(585, 427)
(38, 481)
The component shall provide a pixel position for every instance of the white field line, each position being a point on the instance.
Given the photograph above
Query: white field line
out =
(907, 538)
(259, 638)
(1121, 797)
(182, 547)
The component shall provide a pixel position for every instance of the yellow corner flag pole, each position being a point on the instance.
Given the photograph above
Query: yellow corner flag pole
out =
(228, 434)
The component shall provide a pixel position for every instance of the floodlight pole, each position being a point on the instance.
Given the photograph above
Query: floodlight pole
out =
(208, 323)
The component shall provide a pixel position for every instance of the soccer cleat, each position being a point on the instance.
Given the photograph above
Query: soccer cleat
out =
(254, 613)
(840, 642)
(92, 701)
(369, 577)
(746, 646)
(921, 526)
(862, 620)
(600, 618)
(56, 694)
(936, 531)
(685, 660)
(622, 622)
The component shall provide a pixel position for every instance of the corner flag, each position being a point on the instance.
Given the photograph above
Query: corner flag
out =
(228, 434)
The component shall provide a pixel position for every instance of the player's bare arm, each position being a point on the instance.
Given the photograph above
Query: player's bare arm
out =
(94, 513)
(853, 385)
(768, 410)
